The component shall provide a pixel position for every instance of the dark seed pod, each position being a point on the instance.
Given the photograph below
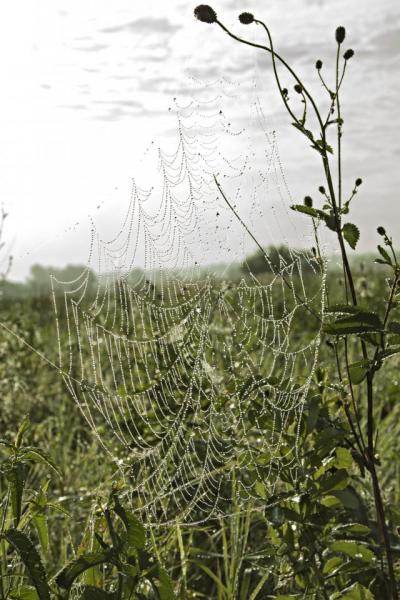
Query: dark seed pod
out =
(348, 54)
(298, 88)
(246, 18)
(381, 230)
(340, 35)
(285, 92)
(321, 189)
(308, 201)
(205, 13)
(358, 182)
(318, 65)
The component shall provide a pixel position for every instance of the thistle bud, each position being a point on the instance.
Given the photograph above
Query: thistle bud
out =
(321, 189)
(246, 18)
(381, 230)
(348, 54)
(318, 65)
(298, 88)
(358, 182)
(340, 35)
(205, 13)
(308, 201)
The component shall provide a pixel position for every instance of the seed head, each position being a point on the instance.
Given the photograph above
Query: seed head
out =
(358, 182)
(340, 35)
(348, 54)
(308, 201)
(318, 65)
(321, 189)
(298, 88)
(246, 18)
(205, 13)
(381, 230)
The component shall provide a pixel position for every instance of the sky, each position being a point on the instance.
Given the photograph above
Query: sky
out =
(88, 86)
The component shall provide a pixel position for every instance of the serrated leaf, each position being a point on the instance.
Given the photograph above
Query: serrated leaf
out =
(16, 479)
(31, 560)
(385, 255)
(358, 371)
(91, 592)
(354, 592)
(25, 592)
(351, 234)
(394, 327)
(333, 564)
(164, 586)
(362, 322)
(353, 549)
(343, 458)
(306, 210)
(39, 456)
(136, 533)
(66, 577)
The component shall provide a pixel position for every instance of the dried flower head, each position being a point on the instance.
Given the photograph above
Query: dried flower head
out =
(318, 65)
(340, 35)
(246, 18)
(308, 201)
(348, 54)
(381, 230)
(358, 181)
(298, 88)
(205, 13)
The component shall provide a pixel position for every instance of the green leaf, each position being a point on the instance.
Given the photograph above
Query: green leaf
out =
(136, 533)
(343, 459)
(16, 479)
(91, 592)
(362, 322)
(353, 549)
(394, 327)
(25, 592)
(66, 577)
(334, 481)
(333, 564)
(164, 586)
(306, 210)
(39, 456)
(23, 428)
(31, 559)
(355, 528)
(358, 371)
(40, 523)
(351, 234)
(390, 351)
(348, 498)
(354, 592)
(385, 255)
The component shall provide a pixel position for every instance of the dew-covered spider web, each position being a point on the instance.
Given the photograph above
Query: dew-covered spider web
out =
(190, 364)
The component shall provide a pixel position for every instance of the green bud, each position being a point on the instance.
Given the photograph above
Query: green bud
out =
(358, 182)
(318, 65)
(381, 230)
(321, 189)
(298, 88)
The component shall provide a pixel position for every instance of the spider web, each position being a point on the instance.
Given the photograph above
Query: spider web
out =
(194, 380)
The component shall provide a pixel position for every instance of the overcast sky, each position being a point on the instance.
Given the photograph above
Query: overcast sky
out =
(88, 85)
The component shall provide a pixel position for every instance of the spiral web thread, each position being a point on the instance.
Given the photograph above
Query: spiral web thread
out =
(189, 380)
